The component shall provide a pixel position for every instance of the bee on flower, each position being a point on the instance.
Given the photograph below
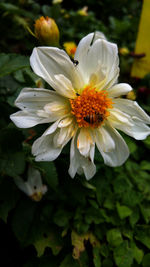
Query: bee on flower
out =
(85, 107)
(33, 187)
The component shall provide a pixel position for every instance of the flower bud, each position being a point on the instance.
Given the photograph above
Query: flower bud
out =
(131, 95)
(124, 51)
(83, 12)
(33, 187)
(46, 31)
(70, 48)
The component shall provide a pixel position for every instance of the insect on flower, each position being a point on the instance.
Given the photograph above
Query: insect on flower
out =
(85, 106)
(93, 118)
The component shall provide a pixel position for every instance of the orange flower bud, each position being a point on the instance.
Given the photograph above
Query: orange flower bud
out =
(46, 31)
(70, 48)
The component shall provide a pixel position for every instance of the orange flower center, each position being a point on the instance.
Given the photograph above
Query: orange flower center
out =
(91, 108)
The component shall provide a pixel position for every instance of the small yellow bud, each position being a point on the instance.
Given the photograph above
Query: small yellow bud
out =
(131, 95)
(46, 31)
(70, 48)
(124, 51)
(83, 11)
(54, 2)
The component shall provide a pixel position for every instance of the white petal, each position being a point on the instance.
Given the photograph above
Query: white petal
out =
(35, 181)
(44, 149)
(134, 128)
(52, 128)
(86, 42)
(100, 59)
(23, 186)
(65, 122)
(64, 135)
(24, 119)
(133, 109)
(116, 156)
(64, 87)
(79, 163)
(118, 117)
(57, 109)
(119, 89)
(84, 142)
(34, 178)
(88, 167)
(139, 130)
(39, 106)
(35, 98)
(50, 61)
(104, 140)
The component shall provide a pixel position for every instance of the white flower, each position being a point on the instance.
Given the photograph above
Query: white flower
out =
(33, 187)
(84, 107)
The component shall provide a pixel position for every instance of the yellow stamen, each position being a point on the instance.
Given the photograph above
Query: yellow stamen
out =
(91, 108)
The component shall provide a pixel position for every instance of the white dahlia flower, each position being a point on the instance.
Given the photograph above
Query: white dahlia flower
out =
(85, 106)
(33, 187)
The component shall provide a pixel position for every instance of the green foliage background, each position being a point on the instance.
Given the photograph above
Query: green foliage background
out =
(100, 223)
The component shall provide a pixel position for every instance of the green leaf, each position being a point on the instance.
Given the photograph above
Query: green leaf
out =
(109, 202)
(14, 9)
(127, 232)
(69, 262)
(123, 211)
(145, 210)
(121, 184)
(107, 263)
(138, 253)
(51, 240)
(146, 260)
(143, 235)
(9, 196)
(84, 259)
(114, 237)
(23, 219)
(131, 198)
(62, 217)
(49, 173)
(123, 255)
(12, 62)
(93, 215)
(104, 250)
(133, 219)
(12, 164)
(147, 142)
(10, 139)
(8, 86)
(145, 165)
(96, 257)
(132, 146)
